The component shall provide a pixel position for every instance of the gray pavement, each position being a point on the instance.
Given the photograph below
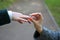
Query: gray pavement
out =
(16, 31)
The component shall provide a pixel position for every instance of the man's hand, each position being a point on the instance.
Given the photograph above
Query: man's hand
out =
(19, 17)
(37, 19)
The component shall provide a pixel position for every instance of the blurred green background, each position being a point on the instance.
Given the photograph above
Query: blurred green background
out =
(54, 6)
(5, 3)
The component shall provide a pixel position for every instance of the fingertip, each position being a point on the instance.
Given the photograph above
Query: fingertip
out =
(29, 22)
(20, 22)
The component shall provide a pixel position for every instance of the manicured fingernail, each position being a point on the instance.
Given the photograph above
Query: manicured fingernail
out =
(29, 22)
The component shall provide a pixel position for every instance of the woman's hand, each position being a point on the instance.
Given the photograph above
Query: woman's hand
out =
(19, 17)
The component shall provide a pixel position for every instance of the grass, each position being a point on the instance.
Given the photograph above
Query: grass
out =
(5, 3)
(54, 6)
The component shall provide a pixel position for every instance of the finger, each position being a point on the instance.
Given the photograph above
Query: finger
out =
(21, 19)
(20, 22)
(25, 17)
(32, 20)
(35, 13)
(29, 21)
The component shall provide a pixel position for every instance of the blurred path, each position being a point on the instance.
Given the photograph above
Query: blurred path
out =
(16, 31)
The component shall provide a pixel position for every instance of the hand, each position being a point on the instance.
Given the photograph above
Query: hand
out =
(19, 17)
(37, 18)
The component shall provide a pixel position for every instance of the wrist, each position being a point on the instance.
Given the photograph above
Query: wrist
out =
(10, 14)
(39, 28)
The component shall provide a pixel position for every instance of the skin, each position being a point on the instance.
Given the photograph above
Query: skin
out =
(38, 21)
(19, 17)
(36, 18)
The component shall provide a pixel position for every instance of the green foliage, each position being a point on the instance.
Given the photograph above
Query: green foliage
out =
(54, 6)
(5, 3)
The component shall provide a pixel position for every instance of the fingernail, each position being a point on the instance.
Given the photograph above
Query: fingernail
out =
(29, 22)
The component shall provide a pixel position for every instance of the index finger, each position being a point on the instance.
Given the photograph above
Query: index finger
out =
(35, 13)
(25, 17)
